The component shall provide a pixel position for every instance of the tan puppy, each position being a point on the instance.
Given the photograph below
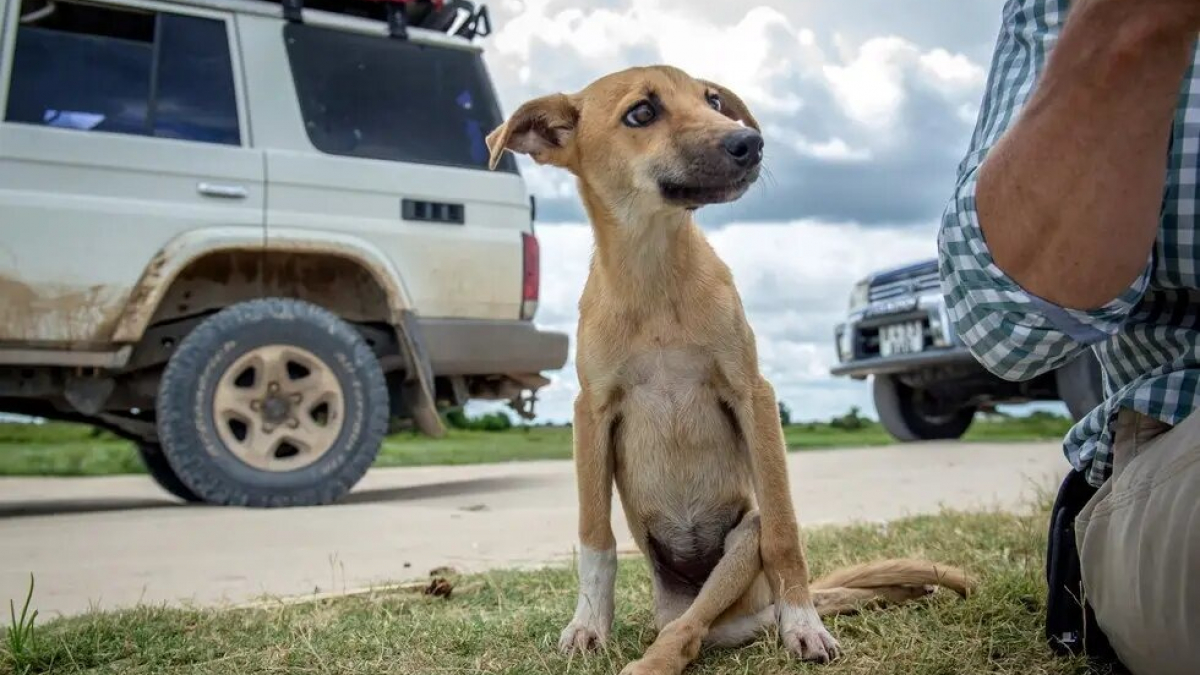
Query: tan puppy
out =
(672, 406)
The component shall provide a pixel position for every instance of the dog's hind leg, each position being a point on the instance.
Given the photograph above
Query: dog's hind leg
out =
(678, 643)
(741, 630)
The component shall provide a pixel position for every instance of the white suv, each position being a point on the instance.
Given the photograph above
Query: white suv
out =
(250, 243)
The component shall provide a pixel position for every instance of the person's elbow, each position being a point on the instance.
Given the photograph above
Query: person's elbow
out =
(991, 322)
(1051, 245)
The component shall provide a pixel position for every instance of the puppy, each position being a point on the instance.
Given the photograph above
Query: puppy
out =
(672, 406)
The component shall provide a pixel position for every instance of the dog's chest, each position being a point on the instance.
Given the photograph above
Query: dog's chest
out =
(676, 439)
(666, 371)
(675, 391)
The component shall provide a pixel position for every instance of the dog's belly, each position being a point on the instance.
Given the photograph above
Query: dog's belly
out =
(681, 468)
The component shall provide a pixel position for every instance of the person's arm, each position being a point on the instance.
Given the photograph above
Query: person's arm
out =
(1013, 331)
(1069, 198)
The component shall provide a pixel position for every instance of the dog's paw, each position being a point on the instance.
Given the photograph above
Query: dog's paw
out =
(806, 637)
(581, 637)
(812, 644)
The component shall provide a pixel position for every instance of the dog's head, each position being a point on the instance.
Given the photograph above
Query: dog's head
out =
(652, 134)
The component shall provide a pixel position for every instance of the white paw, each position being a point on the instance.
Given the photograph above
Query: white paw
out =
(580, 637)
(805, 636)
(589, 628)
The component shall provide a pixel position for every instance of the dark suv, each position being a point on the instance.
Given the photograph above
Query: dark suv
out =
(926, 384)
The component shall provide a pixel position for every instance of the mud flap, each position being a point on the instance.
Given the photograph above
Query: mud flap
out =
(418, 385)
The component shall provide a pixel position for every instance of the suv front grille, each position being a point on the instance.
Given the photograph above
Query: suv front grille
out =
(891, 289)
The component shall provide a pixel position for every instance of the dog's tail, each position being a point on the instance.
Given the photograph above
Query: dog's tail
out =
(907, 572)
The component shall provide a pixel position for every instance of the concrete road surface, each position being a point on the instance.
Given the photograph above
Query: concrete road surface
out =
(114, 542)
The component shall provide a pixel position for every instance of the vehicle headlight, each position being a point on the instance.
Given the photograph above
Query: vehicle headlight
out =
(845, 346)
(859, 296)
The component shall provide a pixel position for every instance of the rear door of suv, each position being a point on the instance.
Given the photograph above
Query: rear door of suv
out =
(122, 129)
(391, 151)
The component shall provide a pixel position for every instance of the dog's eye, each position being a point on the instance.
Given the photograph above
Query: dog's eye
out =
(714, 101)
(640, 115)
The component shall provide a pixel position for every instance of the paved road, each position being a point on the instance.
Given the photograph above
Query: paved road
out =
(112, 542)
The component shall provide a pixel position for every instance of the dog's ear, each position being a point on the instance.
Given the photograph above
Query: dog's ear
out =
(542, 128)
(732, 105)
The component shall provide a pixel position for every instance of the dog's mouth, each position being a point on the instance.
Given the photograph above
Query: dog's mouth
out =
(695, 195)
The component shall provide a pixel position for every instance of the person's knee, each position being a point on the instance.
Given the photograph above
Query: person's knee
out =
(1139, 552)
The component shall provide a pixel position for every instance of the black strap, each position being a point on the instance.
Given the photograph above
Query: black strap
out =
(293, 10)
(1071, 627)
(397, 22)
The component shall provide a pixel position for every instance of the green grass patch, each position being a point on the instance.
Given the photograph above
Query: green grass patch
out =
(56, 449)
(508, 622)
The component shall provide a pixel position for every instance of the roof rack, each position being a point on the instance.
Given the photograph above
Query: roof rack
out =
(461, 18)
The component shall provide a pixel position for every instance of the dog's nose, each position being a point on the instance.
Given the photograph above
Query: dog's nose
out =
(744, 146)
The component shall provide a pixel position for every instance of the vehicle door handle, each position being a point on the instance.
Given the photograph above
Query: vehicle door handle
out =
(222, 191)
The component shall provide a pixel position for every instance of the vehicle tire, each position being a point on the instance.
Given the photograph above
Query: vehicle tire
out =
(156, 465)
(1080, 385)
(272, 402)
(906, 414)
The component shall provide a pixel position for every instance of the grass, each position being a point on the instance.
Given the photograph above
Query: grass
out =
(508, 622)
(56, 449)
(21, 630)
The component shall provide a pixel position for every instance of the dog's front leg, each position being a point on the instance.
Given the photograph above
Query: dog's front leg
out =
(590, 627)
(783, 556)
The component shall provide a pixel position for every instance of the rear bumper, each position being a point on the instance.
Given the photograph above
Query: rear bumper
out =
(883, 365)
(488, 347)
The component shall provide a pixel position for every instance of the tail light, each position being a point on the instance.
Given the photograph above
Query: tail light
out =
(531, 274)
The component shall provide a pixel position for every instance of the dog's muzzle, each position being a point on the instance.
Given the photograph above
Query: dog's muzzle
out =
(720, 172)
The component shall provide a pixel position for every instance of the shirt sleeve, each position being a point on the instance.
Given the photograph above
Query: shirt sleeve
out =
(1012, 332)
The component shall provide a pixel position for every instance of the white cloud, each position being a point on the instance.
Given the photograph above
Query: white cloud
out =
(684, 39)
(833, 149)
(754, 56)
(547, 182)
(955, 72)
(869, 87)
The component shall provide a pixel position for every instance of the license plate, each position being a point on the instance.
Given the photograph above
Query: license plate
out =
(902, 338)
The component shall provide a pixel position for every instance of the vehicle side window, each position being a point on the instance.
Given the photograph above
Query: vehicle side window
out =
(369, 96)
(195, 95)
(94, 68)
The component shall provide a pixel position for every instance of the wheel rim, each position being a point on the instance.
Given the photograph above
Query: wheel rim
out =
(278, 408)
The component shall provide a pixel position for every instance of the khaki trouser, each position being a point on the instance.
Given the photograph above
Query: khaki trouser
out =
(1139, 546)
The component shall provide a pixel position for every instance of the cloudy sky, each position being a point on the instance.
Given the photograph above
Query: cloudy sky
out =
(866, 105)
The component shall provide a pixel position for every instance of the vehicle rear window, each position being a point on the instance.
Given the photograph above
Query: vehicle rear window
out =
(392, 99)
(92, 68)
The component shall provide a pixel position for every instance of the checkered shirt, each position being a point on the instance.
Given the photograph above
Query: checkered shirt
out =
(1148, 339)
